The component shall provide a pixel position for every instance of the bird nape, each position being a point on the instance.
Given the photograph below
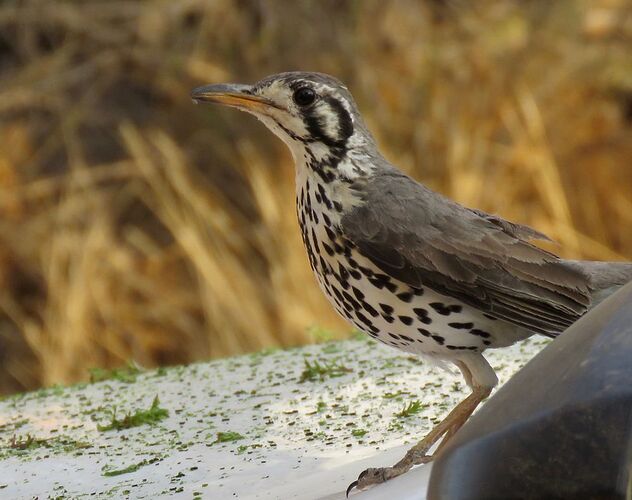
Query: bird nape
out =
(404, 264)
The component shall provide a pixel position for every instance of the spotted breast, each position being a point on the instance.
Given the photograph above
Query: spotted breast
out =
(417, 320)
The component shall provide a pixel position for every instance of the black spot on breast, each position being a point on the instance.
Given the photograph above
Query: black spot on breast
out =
(422, 315)
(404, 337)
(364, 319)
(386, 308)
(328, 249)
(338, 206)
(355, 274)
(354, 303)
(366, 271)
(324, 197)
(347, 308)
(418, 292)
(462, 347)
(461, 326)
(344, 275)
(407, 320)
(445, 310)
(424, 332)
(359, 295)
(396, 337)
(376, 283)
(405, 296)
(323, 266)
(388, 319)
(370, 309)
(326, 219)
(391, 287)
(480, 333)
(438, 339)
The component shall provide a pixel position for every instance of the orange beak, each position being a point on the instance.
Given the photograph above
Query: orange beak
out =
(232, 94)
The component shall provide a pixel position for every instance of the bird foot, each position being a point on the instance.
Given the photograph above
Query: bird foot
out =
(372, 476)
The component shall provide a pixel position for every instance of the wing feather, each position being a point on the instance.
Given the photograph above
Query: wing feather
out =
(424, 239)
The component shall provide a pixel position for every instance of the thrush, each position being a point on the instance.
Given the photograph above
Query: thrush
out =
(404, 264)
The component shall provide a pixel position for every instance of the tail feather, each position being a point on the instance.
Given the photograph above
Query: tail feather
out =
(605, 277)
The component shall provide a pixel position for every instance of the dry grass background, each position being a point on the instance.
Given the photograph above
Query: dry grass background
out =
(134, 225)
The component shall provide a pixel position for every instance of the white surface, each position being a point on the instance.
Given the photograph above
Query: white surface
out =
(291, 447)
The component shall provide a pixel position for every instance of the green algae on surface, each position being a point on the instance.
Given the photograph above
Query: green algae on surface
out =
(18, 445)
(412, 408)
(126, 374)
(108, 471)
(225, 437)
(140, 417)
(320, 371)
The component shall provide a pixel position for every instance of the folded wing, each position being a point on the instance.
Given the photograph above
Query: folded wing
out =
(424, 239)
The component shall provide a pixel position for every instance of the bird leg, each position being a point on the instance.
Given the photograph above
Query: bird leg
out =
(418, 454)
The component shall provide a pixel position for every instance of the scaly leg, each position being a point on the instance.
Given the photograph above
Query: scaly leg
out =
(418, 454)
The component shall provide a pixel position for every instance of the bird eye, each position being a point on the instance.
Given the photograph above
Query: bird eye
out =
(304, 96)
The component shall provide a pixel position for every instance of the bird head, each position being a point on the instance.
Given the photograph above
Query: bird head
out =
(313, 113)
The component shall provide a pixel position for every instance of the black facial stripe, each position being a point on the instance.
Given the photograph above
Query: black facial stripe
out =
(294, 136)
(316, 126)
(345, 123)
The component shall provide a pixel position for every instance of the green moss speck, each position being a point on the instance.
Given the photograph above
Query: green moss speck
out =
(317, 371)
(225, 437)
(410, 409)
(20, 444)
(108, 471)
(126, 374)
(140, 417)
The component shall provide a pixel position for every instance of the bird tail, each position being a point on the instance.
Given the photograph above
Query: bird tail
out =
(605, 277)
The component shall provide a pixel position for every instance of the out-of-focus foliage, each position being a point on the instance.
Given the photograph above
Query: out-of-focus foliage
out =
(134, 225)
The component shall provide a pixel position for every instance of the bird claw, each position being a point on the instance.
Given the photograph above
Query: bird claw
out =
(350, 488)
(372, 476)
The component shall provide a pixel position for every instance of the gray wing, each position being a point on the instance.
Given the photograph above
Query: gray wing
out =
(424, 239)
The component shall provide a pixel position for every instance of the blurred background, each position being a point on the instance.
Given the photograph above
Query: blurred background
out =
(137, 226)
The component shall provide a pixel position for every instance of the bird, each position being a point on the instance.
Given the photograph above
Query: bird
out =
(406, 265)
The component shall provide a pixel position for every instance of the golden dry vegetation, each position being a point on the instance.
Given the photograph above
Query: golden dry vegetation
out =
(134, 225)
